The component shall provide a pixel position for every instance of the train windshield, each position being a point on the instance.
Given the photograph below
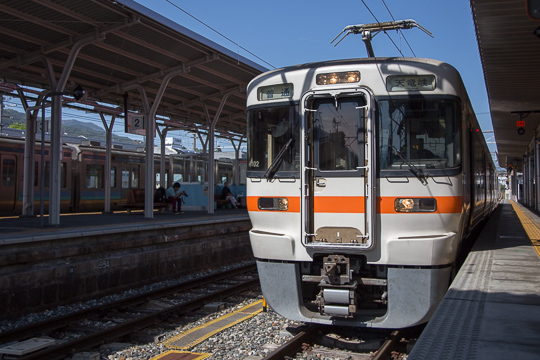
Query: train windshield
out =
(273, 142)
(418, 133)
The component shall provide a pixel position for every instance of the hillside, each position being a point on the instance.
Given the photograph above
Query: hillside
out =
(71, 127)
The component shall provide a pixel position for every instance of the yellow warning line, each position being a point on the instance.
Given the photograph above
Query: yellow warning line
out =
(532, 228)
(169, 342)
(200, 357)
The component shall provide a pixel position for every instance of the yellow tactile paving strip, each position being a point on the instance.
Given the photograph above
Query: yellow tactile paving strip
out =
(196, 335)
(531, 226)
(180, 355)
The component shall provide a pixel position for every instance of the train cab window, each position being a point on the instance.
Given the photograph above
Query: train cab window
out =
(94, 176)
(418, 132)
(8, 172)
(339, 133)
(273, 141)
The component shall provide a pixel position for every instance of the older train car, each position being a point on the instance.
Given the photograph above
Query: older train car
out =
(83, 174)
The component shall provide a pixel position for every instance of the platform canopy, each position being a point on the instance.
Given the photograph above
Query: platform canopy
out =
(509, 43)
(124, 56)
(124, 46)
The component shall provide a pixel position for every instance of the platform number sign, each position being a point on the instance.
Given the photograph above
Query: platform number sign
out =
(136, 124)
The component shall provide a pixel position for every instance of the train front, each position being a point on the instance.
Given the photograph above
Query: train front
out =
(354, 193)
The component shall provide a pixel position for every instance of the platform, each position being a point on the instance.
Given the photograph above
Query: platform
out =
(21, 229)
(94, 255)
(492, 309)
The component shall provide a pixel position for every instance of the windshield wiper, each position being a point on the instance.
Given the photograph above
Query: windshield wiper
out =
(417, 172)
(269, 174)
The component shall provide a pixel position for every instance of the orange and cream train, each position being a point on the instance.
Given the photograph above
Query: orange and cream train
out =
(364, 177)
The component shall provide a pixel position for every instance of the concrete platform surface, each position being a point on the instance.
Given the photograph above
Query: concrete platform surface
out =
(492, 309)
(16, 229)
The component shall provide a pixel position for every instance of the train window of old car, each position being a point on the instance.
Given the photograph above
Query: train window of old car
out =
(36, 173)
(125, 177)
(46, 177)
(201, 171)
(134, 178)
(8, 172)
(187, 173)
(178, 170)
(63, 176)
(113, 176)
(94, 176)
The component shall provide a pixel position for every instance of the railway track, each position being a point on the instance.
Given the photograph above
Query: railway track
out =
(123, 317)
(391, 346)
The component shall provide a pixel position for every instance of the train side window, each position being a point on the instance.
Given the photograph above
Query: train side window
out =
(178, 171)
(36, 173)
(158, 178)
(94, 176)
(134, 176)
(201, 171)
(47, 175)
(63, 176)
(125, 178)
(46, 182)
(8, 172)
(113, 176)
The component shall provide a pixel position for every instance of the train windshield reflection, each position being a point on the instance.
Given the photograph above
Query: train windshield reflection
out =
(423, 132)
(273, 140)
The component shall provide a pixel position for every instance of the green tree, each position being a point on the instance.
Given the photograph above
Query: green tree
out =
(17, 126)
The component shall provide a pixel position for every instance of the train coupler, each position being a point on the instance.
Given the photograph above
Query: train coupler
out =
(338, 292)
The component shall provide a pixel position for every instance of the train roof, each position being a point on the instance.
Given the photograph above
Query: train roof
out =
(361, 61)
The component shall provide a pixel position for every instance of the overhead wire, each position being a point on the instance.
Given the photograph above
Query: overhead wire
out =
(400, 31)
(217, 32)
(377, 20)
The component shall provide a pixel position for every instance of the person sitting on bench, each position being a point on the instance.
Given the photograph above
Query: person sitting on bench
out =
(173, 197)
(227, 194)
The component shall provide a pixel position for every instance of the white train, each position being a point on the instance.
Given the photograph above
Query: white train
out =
(364, 177)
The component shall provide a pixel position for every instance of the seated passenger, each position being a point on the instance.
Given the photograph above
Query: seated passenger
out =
(227, 194)
(173, 197)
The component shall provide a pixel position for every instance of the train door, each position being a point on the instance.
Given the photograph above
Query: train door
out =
(339, 200)
(8, 188)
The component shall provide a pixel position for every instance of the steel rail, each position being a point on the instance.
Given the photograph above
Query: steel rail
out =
(391, 344)
(294, 345)
(60, 351)
(27, 331)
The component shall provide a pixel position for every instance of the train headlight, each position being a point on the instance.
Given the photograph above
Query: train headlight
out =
(276, 204)
(338, 78)
(415, 205)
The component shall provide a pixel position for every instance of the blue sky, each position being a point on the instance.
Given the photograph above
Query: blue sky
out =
(283, 33)
(292, 32)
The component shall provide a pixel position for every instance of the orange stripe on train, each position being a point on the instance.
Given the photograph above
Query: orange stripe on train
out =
(355, 204)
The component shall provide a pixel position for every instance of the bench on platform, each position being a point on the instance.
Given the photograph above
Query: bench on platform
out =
(136, 201)
(221, 203)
